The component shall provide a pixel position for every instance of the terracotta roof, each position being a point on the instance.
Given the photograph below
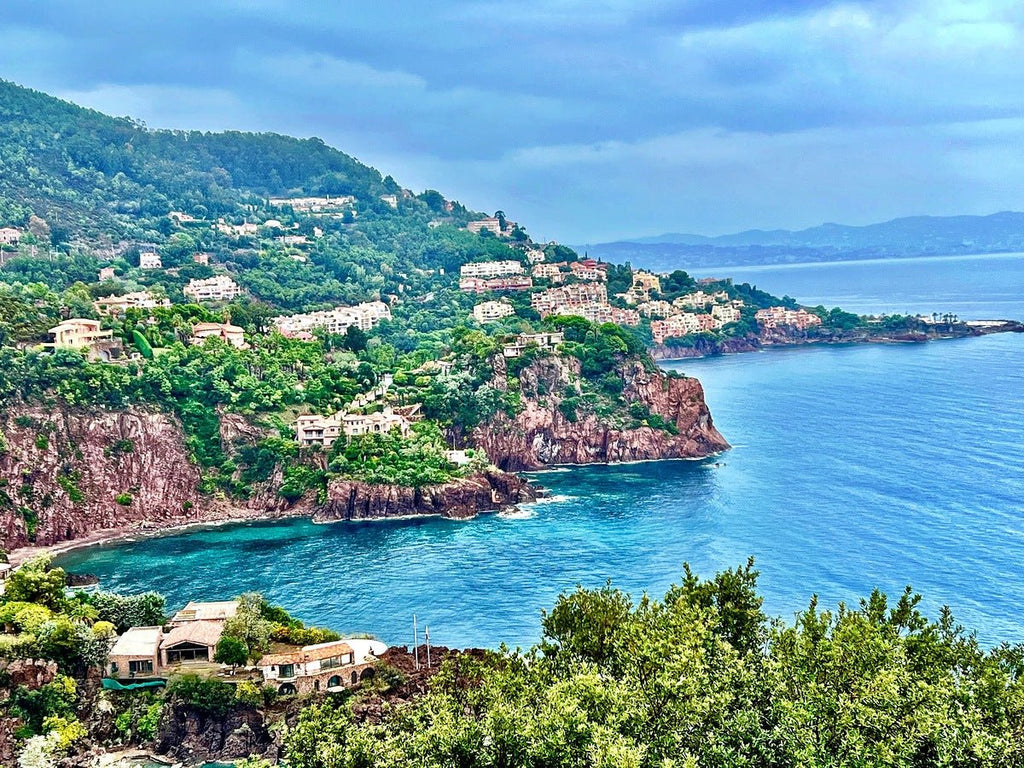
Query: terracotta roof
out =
(201, 632)
(307, 654)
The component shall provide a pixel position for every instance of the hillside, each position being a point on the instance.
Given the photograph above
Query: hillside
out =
(899, 238)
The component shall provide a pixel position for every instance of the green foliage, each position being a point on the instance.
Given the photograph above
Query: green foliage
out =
(54, 699)
(211, 697)
(247, 692)
(142, 344)
(125, 611)
(702, 678)
(37, 582)
(124, 499)
(249, 627)
(231, 650)
(391, 459)
(302, 635)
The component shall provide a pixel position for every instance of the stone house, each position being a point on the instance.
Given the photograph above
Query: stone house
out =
(330, 666)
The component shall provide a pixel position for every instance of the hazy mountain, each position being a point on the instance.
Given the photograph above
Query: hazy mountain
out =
(902, 238)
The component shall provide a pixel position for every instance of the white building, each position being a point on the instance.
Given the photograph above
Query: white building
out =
(218, 288)
(489, 311)
(116, 305)
(150, 260)
(486, 269)
(546, 342)
(9, 236)
(725, 313)
(338, 320)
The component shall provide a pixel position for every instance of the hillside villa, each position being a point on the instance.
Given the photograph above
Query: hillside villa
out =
(489, 311)
(85, 335)
(150, 260)
(106, 273)
(217, 288)
(546, 342)
(313, 429)
(229, 334)
(9, 236)
(116, 305)
(492, 225)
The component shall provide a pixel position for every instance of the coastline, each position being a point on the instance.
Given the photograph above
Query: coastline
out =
(739, 346)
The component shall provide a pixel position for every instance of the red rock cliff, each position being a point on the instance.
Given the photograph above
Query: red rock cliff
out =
(541, 434)
(64, 470)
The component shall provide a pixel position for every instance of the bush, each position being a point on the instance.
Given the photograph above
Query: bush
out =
(210, 697)
(124, 499)
(247, 692)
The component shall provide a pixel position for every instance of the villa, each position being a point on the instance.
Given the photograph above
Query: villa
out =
(9, 236)
(363, 316)
(84, 334)
(330, 666)
(218, 288)
(229, 334)
(116, 305)
(106, 273)
(150, 260)
(773, 317)
(313, 429)
(487, 269)
(493, 225)
(546, 342)
(489, 311)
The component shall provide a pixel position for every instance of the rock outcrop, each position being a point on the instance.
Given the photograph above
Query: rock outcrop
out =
(465, 497)
(65, 473)
(542, 433)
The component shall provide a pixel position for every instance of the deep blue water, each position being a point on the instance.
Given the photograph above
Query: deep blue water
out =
(852, 467)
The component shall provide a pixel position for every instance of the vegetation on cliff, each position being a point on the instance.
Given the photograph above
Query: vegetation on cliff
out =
(699, 677)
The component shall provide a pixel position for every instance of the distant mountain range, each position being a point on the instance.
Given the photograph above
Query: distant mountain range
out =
(908, 237)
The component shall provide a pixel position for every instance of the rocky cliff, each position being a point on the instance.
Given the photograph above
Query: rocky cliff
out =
(544, 432)
(484, 491)
(65, 473)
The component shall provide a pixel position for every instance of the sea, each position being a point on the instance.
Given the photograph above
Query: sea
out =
(853, 468)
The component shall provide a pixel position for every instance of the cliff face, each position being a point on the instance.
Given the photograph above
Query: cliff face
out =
(484, 491)
(542, 434)
(66, 473)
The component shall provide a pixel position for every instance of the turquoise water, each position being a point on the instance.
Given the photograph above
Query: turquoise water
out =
(853, 467)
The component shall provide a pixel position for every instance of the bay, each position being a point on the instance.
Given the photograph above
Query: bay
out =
(853, 467)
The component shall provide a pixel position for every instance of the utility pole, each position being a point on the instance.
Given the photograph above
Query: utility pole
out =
(415, 643)
(426, 637)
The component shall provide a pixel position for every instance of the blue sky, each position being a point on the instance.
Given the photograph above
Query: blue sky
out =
(587, 121)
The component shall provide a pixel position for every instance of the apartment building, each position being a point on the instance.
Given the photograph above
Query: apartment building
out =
(774, 317)
(488, 269)
(150, 260)
(218, 288)
(363, 316)
(490, 311)
(116, 305)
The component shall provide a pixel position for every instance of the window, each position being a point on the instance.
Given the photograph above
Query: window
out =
(139, 667)
(287, 670)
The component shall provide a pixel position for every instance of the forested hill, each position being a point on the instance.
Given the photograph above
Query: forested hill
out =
(84, 171)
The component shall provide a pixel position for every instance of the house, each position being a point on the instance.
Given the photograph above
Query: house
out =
(315, 205)
(391, 200)
(201, 258)
(535, 255)
(150, 260)
(489, 311)
(492, 225)
(218, 288)
(486, 269)
(116, 305)
(9, 236)
(588, 270)
(313, 429)
(699, 299)
(106, 273)
(220, 610)
(655, 309)
(552, 272)
(179, 218)
(191, 641)
(355, 424)
(546, 342)
(323, 667)
(136, 654)
(229, 334)
(79, 333)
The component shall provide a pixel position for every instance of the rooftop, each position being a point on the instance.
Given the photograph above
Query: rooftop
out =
(138, 641)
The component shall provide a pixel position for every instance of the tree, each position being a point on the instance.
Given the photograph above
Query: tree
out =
(231, 650)
(355, 339)
(37, 582)
(248, 625)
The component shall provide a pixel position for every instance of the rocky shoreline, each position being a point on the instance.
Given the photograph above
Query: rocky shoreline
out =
(740, 345)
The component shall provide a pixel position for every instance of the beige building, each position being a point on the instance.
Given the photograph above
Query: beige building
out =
(236, 230)
(330, 666)
(79, 333)
(201, 258)
(229, 334)
(546, 342)
(150, 260)
(116, 305)
(773, 317)
(135, 654)
(217, 288)
(106, 273)
(313, 429)
(725, 313)
(655, 309)
(568, 297)
(699, 299)
(219, 610)
(493, 225)
(490, 311)
(9, 236)
(588, 270)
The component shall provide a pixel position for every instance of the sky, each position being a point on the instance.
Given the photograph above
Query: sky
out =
(585, 121)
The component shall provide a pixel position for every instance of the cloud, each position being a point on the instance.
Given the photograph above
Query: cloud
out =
(607, 116)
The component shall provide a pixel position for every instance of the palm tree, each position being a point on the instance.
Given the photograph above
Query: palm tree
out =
(83, 613)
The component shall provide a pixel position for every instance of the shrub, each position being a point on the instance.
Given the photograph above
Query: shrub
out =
(247, 692)
(211, 697)
(124, 499)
